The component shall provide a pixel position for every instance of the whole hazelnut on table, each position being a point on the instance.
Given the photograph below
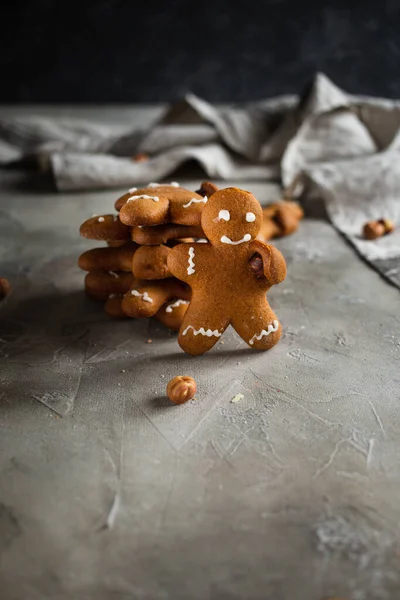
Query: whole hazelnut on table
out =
(374, 229)
(181, 389)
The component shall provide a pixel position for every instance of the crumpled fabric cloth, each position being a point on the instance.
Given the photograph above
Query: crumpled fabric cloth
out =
(334, 147)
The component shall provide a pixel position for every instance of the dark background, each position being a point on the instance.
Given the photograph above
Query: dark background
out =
(150, 51)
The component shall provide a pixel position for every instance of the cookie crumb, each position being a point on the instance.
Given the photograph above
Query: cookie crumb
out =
(123, 371)
(237, 398)
(149, 342)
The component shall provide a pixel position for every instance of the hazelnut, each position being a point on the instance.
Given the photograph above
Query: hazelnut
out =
(181, 389)
(5, 287)
(388, 225)
(141, 157)
(373, 230)
(207, 189)
(256, 265)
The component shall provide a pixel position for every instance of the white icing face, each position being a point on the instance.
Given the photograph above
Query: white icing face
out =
(101, 219)
(145, 197)
(132, 190)
(195, 201)
(264, 332)
(245, 238)
(250, 217)
(191, 267)
(202, 331)
(145, 297)
(224, 215)
(113, 274)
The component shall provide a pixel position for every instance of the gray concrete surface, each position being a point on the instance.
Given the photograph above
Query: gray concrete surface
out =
(109, 492)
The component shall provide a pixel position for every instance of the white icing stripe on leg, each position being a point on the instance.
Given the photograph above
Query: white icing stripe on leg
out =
(195, 201)
(145, 297)
(202, 331)
(191, 269)
(175, 305)
(272, 327)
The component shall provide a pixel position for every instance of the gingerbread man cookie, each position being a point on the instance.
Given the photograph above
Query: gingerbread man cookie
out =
(226, 289)
(157, 204)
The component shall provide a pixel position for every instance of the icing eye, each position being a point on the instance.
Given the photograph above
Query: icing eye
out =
(224, 215)
(250, 217)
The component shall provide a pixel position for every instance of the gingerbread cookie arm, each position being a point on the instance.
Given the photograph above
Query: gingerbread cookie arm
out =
(161, 234)
(100, 285)
(150, 262)
(185, 261)
(105, 227)
(267, 261)
(107, 259)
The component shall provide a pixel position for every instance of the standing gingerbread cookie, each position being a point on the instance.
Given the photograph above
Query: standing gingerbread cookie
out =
(229, 276)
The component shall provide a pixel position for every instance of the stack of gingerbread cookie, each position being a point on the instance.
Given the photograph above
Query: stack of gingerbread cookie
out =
(130, 275)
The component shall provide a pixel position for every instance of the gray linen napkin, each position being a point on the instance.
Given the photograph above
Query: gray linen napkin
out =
(334, 147)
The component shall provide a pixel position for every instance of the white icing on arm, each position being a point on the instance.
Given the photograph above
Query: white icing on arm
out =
(191, 269)
(145, 297)
(175, 305)
(145, 197)
(131, 190)
(195, 201)
(202, 331)
(245, 238)
(272, 327)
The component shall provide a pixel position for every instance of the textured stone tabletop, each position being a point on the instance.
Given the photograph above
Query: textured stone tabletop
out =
(109, 492)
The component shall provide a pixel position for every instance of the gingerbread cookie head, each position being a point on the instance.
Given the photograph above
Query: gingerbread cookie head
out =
(157, 204)
(231, 217)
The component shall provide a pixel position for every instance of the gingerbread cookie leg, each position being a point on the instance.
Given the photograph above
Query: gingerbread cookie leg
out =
(171, 315)
(258, 326)
(200, 331)
(113, 306)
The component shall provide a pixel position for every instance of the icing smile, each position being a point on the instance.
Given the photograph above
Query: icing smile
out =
(245, 238)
